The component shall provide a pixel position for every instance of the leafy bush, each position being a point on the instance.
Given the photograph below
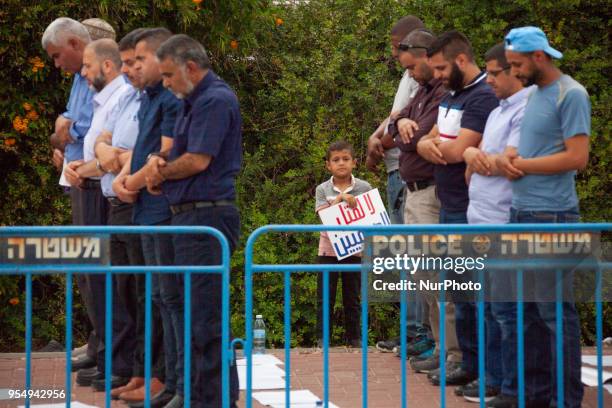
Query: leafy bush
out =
(306, 74)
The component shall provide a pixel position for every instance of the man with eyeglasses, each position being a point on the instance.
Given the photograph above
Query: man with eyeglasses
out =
(490, 196)
(421, 204)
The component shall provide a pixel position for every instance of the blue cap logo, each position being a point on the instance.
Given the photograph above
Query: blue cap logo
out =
(529, 39)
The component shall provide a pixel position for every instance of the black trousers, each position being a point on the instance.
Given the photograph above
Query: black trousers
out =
(351, 286)
(203, 249)
(126, 249)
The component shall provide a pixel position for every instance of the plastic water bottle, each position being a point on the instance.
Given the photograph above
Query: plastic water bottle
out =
(259, 335)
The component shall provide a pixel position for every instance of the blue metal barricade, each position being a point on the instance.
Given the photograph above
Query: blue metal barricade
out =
(251, 268)
(19, 267)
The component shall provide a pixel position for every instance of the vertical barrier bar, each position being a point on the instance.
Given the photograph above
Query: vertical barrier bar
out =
(225, 329)
(326, 339)
(68, 383)
(442, 308)
(520, 338)
(559, 336)
(248, 322)
(187, 341)
(481, 342)
(147, 334)
(598, 337)
(28, 345)
(403, 295)
(364, 338)
(108, 328)
(287, 330)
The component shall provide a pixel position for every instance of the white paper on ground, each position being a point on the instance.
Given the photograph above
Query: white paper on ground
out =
(74, 404)
(592, 360)
(265, 377)
(608, 387)
(299, 399)
(589, 376)
(261, 359)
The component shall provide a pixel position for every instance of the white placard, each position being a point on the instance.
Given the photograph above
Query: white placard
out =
(299, 398)
(370, 210)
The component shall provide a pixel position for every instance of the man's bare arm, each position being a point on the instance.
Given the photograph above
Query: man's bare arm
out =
(452, 150)
(574, 157)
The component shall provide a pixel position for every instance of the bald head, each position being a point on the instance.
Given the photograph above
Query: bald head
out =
(105, 50)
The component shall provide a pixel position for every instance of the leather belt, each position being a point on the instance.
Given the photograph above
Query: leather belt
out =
(179, 208)
(418, 185)
(90, 184)
(115, 202)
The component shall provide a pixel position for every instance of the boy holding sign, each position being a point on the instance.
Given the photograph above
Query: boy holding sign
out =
(342, 186)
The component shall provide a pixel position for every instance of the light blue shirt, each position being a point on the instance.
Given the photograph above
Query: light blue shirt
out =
(80, 111)
(553, 114)
(123, 124)
(490, 197)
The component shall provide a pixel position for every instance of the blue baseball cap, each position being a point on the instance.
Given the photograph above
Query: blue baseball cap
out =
(529, 39)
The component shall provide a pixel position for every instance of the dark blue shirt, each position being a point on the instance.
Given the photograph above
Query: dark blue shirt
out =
(468, 108)
(157, 116)
(210, 124)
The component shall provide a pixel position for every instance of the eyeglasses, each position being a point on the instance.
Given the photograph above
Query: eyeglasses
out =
(406, 47)
(495, 73)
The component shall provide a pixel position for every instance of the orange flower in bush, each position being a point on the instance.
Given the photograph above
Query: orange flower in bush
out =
(37, 64)
(196, 2)
(279, 21)
(9, 142)
(32, 115)
(27, 106)
(20, 124)
(14, 301)
(234, 45)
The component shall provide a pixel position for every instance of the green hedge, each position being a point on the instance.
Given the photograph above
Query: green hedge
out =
(305, 75)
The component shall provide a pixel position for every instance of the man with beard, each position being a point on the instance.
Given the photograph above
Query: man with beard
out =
(462, 116)
(421, 204)
(157, 116)
(553, 145)
(198, 176)
(113, 149)
(102, 69)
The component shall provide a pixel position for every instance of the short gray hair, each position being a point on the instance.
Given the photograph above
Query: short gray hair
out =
(106, 49)
(181, 48)
(61, 30)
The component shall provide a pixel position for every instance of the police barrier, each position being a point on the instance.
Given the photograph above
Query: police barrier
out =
(517, 265)
(31, 251)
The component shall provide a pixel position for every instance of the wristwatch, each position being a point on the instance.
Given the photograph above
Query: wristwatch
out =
(158, 154)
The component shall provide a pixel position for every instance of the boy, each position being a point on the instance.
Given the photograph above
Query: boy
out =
(342, 186)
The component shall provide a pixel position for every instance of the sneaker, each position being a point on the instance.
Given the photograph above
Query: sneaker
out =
(387, 346)
(416, 347)
(455, 375)
(424, 365)
(503, 401)
(462, 388)
(471, 392)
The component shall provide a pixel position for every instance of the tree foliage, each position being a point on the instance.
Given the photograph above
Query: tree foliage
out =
(306, 73)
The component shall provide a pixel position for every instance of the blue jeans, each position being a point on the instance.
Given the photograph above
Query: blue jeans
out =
(465, 312)
(540, 330)
(203, 249)
(395, 197)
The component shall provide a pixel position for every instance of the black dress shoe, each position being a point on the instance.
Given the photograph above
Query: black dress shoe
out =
(175, 402)
(87, 375)
(100, 384)
(82, 361)
(158, 401)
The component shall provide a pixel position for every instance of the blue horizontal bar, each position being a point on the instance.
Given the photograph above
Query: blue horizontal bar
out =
(120, 229)
(490, 264)
(49, 269)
